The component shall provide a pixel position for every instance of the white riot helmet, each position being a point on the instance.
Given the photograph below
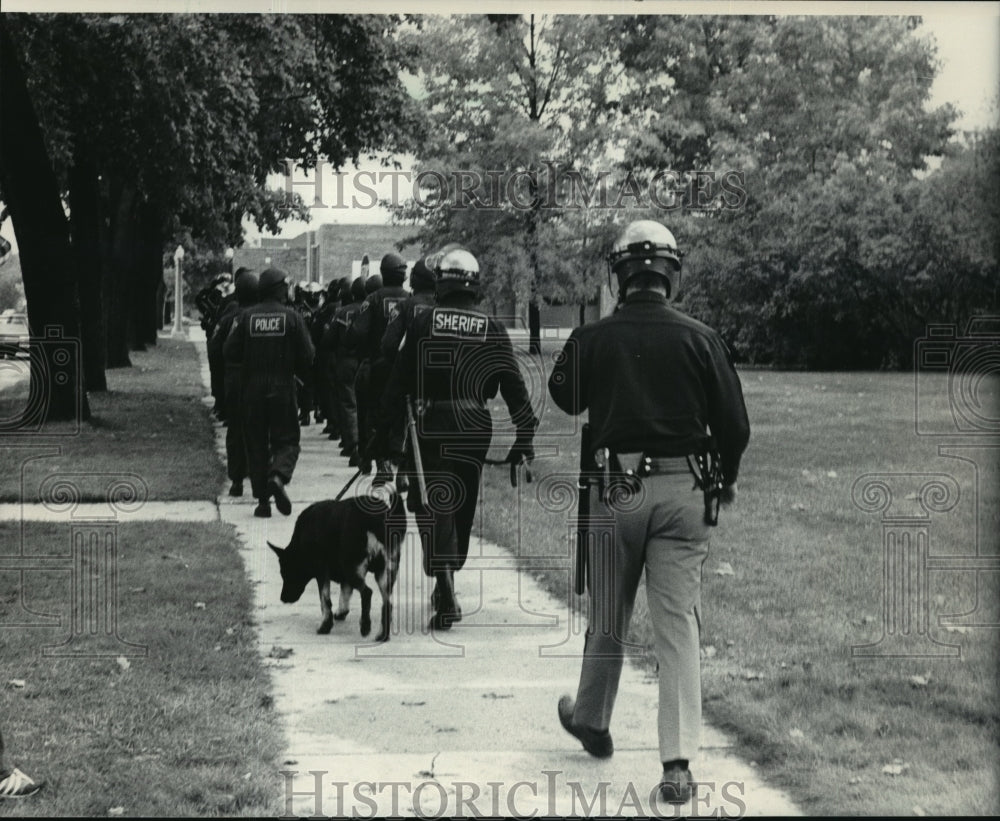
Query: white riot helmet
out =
(646, 245)
(457, 270)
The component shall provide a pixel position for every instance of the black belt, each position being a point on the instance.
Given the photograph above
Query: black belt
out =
(640, 464)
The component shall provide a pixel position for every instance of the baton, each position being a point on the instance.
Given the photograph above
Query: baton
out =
(418, 461)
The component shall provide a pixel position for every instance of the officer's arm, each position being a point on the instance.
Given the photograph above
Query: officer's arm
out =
(394, 335)
(567, 384)
(727, 411)
(514, 391)
(232, 348)
(357, 333)
(401, 383)
(304, 350)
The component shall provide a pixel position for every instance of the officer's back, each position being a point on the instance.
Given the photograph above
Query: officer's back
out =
(271, 338)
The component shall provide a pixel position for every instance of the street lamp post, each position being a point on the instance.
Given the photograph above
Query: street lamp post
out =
(178, 293)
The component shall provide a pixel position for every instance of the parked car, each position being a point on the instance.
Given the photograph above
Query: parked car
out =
(14, 334)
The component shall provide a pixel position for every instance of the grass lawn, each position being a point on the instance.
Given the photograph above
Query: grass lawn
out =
(151, 422)
(186, 730)
(807, 585)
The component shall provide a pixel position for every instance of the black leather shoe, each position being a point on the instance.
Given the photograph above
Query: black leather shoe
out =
(596, 742)
(675, 785)
(236, 488)
(281, 500)
(263, 510)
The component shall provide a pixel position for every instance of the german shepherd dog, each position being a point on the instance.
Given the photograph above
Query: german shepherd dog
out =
(342, 541)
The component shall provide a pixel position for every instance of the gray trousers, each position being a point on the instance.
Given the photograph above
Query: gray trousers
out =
(660, 529)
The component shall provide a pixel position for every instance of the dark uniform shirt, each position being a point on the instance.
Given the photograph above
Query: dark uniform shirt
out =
(458, 354)
(273, 344)
(417, 303)
(375, 313)
(335, 337)
(653, 380)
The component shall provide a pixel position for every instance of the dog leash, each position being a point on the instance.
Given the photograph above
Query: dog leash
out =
(350, 482)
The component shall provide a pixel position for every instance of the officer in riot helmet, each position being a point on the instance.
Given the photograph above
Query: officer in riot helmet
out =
(664, 402)
(454, 427)
(271, 343)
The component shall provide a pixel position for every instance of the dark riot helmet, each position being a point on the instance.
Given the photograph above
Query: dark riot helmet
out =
(273, 283)
(646, 246)
(393, 269)
(373, 283)
(246, 286)
(421, 277)
(357, 290)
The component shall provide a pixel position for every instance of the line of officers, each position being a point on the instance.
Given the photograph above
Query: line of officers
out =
(660, 392)
(283, 355)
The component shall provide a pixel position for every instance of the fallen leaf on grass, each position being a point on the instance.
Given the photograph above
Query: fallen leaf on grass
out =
(724, 569)
(17, 683)
(280, 652)
(247, 776)
(123, 663)
(230, 631)
(116, 811)
(896, 768)
(137, 590)
(795, 732)
(831, 474)
(752, 675)
(217, 648)
(708, 652)
(799, 506)
(853, 781)
(920, 681)
(956, 628)
(199, 605)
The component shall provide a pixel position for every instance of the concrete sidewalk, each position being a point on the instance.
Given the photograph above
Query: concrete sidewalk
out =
(460, 722)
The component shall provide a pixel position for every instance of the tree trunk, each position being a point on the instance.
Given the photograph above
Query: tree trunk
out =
(31, 193)
(85, 224)
(149, 274)
(117, 279)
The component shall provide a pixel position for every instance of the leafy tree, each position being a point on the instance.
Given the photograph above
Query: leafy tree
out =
(527, 98)
(166, 126)
(822, 265)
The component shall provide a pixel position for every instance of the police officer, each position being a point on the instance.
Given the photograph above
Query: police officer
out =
(377, 311)
(209, 301)
(345, 360)
(236, 459)
(421, 299)
(307, 302)
(655, 383)
(453, 360)
(362, 381)
(272, 344)
(323, 372)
